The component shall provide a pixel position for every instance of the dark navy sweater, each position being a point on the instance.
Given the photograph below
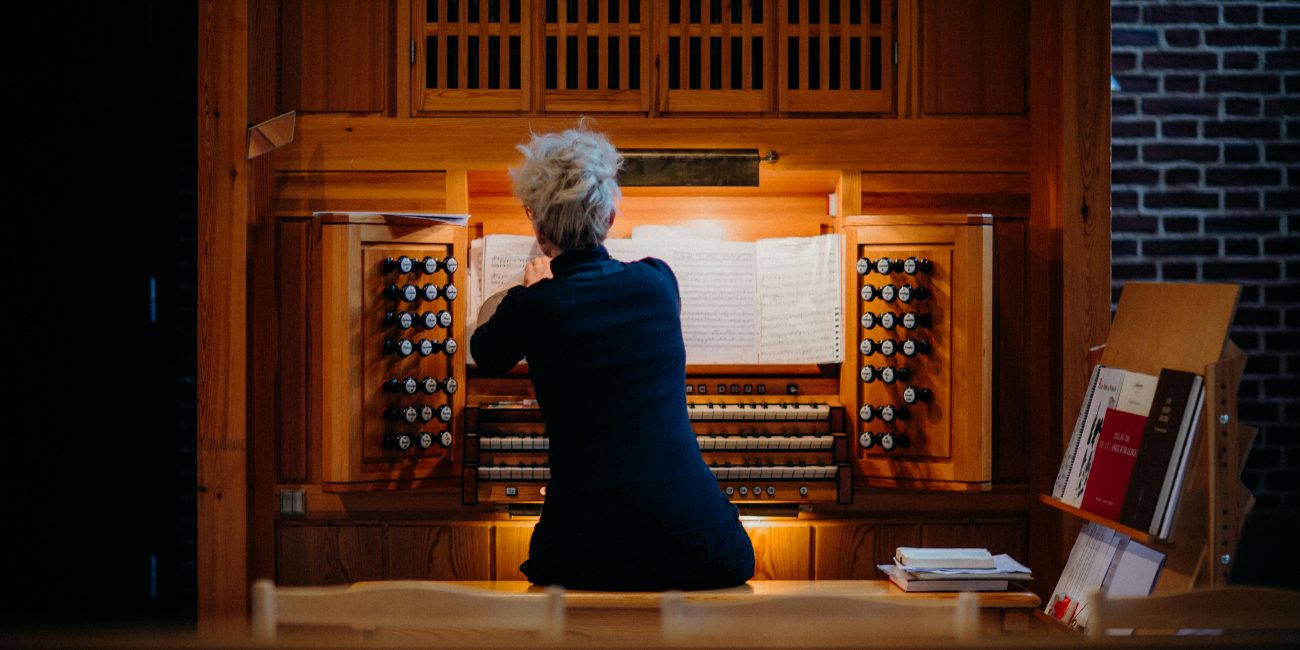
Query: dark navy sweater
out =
(630, 504)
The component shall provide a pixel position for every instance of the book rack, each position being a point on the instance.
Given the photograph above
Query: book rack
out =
(1185, 327)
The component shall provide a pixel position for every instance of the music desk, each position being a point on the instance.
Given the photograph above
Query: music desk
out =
(620, 613)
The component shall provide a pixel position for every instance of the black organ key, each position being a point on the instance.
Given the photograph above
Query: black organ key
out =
(430, 292)
(444, 413)
(913, 320)
(907, 293)
(402, 347)
(888, 293)
(889, 347)
(449, 292)
(864, 266)
(429, 265)
(450, 265)
(884, 266)
(444, 439)
(424, 440)
(429, 385)
(398, 441)
(406, 292)
(888, 320)
(402, 320)
(867, 347)
(913, 347)
(912, 266)
(406, 414)
(401, 264)
(868, 292)
(867, 440)
(868, 374)
(868, 320)
(426, 413)
(406, 386)
(913, 395)
(890, 374)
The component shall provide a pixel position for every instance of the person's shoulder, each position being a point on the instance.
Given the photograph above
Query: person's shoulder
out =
(654, 264)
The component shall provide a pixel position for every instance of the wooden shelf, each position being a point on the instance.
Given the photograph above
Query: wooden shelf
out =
(1139, 535)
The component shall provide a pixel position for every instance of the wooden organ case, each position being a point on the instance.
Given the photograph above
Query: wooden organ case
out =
(842, 91)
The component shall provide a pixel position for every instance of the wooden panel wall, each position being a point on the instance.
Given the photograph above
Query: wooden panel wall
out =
(335, 55)
(223, 204)
(973, 55)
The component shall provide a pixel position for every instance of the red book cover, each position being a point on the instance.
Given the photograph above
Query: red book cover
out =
(1112, 467)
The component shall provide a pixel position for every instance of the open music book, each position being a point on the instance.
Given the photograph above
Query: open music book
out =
(770, 301)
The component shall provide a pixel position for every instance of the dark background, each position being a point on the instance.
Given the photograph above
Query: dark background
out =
(97, 463)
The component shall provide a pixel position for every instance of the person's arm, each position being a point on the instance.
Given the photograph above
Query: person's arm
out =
(499, 340)
(500, 337)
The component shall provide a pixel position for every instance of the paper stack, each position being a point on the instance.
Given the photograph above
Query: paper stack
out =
(953, 569)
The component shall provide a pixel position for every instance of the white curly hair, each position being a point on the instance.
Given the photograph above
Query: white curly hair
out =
(567, 183)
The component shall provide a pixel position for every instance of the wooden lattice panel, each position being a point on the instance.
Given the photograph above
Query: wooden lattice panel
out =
(472, 55)
(835, 55)
(596, 55)
(714, 55)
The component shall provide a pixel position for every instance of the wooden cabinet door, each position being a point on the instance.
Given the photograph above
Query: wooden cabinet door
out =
(471, 56)
(835, 56)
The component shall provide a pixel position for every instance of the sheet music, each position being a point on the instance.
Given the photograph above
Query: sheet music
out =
(473, 293)
(719, 312)
(800, 301)
(697, 231)
(504, 259)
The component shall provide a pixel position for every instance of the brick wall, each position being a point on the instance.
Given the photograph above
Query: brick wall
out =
(1206, 151)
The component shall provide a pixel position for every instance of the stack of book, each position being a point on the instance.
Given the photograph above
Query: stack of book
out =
(1129, 450)
(1106, 561)
(953, 569)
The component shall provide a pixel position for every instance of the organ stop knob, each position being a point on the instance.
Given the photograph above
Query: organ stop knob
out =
(401, 264)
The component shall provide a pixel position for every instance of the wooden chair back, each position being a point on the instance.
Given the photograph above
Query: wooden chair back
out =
(1227, 609)
(817, 618)
(406, 605)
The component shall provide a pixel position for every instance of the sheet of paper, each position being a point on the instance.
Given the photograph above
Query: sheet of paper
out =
(474, 293)
(800, 301)
(719, 314)
(453, 219)
(504, 258)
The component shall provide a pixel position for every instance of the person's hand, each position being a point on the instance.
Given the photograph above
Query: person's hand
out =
(538, 269)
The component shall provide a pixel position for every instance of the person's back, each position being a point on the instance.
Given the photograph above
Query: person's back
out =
(630, 504)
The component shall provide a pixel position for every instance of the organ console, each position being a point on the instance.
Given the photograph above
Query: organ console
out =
(780, 451)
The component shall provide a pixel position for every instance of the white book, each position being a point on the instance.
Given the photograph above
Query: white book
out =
(944, 558)
(1137, 393)
(1103, 393)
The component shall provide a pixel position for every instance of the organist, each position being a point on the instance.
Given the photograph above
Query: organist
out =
(630, 504)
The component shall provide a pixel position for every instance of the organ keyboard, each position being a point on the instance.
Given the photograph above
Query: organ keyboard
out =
(773, 451)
